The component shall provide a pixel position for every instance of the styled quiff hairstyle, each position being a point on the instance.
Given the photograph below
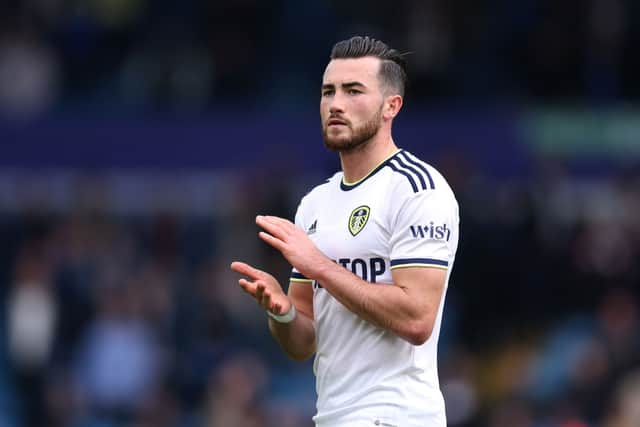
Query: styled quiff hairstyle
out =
(392, 73)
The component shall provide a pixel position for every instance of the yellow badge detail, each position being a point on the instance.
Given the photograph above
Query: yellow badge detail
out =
(358, 219)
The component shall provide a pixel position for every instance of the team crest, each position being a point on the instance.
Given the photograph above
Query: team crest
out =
(358, 219)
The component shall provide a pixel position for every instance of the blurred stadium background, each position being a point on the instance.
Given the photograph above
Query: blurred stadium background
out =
(139, 138)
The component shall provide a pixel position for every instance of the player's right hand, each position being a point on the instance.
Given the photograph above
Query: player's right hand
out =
(263, 287)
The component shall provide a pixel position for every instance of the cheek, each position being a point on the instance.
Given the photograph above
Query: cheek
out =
(324, 109)
(365, 106)
(362, 111)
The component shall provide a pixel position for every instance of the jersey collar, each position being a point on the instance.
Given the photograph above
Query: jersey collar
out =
(347, 186)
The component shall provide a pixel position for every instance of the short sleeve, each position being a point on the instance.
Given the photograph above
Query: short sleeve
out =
(425, 231)
(296, 276)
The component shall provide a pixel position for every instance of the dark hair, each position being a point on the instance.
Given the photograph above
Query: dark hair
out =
(393, 67)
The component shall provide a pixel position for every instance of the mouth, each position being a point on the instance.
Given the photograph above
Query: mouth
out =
(336, 122)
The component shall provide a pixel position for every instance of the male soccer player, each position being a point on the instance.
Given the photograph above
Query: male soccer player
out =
(371, 250)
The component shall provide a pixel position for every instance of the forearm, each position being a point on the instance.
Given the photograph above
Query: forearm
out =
(387, 306)
(408, 307)
(297, 338)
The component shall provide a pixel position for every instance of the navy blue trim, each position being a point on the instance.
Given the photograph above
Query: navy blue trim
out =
(432, 261)
(414, 170)
(295, 275)
(419, 165)
(347, 187)
(406, 174)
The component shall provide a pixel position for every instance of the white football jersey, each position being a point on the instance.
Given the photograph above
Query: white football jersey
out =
(402, 214)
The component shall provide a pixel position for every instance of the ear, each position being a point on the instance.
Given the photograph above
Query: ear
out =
(391, 107)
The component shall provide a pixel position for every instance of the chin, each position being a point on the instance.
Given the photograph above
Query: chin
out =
(336, 141)
(344, 145)
(336, 144)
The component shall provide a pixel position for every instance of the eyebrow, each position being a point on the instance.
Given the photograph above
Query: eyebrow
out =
(346, 85)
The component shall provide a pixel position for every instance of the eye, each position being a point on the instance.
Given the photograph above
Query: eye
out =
(353, 91)
(327, 92)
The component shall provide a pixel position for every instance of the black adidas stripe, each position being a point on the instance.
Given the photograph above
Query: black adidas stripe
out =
(406, 174)
(414, 170)
(419, 165)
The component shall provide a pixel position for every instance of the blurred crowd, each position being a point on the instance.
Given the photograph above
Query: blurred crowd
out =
(131, 318)
(547, 289)
(130, 55)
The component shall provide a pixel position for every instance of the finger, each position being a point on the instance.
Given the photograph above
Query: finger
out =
(273, 241)
(277, 308)
(271, 227)
(247, 270)
(260, 287)
(247, 286)
(287, 226)
(283, 222)
(266, 300)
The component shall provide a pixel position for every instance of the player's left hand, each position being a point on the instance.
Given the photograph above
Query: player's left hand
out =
(293, 243)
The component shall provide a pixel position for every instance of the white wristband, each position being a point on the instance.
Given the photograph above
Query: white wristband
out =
(284, 318)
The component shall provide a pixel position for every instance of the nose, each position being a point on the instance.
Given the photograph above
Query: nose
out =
(336, 104)
(335, 110)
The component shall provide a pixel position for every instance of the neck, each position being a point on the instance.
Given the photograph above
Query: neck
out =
(358, 163)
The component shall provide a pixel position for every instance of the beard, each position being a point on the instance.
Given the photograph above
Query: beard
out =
(358, 138)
